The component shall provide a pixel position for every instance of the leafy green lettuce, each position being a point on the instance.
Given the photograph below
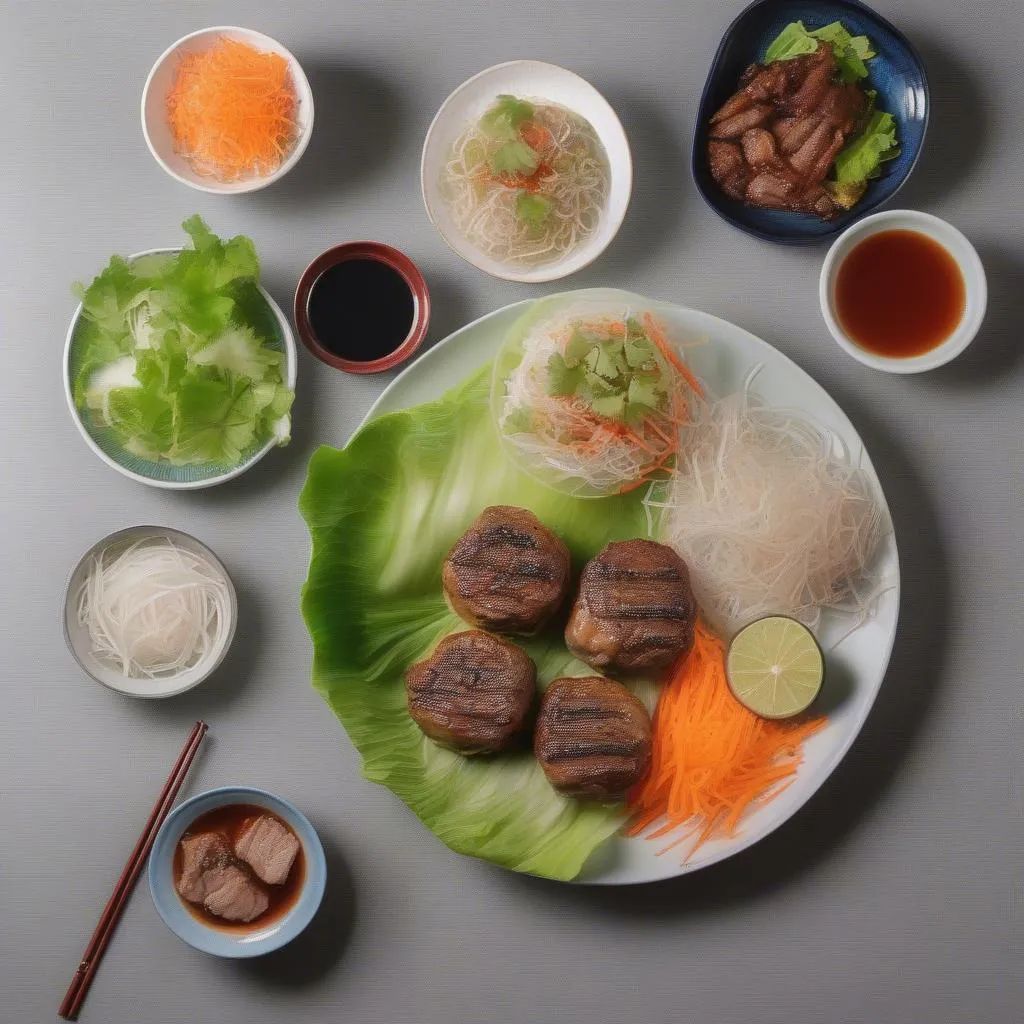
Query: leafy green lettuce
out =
(863, 157)
(382, 514)
(172, 354)
(850, 51)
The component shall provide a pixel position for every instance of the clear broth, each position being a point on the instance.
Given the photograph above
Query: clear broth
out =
(231, 819)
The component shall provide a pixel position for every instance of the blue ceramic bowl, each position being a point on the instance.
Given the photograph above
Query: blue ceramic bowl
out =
(180, 919)
(896, 73)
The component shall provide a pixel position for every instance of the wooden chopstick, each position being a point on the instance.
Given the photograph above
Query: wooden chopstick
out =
(79, 987)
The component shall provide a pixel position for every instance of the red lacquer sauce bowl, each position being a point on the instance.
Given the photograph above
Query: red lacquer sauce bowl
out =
(363, 251)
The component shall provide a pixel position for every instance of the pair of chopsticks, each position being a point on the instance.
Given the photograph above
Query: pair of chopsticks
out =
(79, 987)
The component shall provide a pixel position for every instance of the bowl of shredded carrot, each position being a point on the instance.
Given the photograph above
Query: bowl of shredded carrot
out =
(227, 110)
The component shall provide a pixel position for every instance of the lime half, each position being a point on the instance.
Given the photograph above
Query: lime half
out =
(775, 667)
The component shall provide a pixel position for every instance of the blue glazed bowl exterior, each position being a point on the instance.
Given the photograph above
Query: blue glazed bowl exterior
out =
(897, 73)
(180, 920)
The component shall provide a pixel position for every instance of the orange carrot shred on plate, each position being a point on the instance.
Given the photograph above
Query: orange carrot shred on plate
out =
(712, 759)
(231, 110)
(657, 334)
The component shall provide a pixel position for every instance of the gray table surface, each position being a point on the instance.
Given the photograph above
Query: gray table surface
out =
(895, 895)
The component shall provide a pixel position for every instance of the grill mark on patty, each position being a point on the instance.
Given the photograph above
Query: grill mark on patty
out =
(505, 534)
(571, 748)
(635, 610)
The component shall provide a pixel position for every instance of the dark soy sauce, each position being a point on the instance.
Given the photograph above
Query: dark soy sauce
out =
(899, 293)
(361, 309)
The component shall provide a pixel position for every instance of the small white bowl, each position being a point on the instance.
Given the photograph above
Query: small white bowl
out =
(531, 79)
(154, 110)
(954, 242)
(162, 474)
(77, 636)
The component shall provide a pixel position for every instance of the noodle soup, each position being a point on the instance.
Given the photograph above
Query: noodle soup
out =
(528, 183)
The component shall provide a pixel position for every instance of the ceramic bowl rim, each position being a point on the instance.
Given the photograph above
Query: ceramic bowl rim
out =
(380, 252)
(209, 668)
(967, 260)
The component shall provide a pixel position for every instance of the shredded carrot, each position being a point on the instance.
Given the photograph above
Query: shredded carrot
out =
(231, 110)
(657, 335)
(712, 759)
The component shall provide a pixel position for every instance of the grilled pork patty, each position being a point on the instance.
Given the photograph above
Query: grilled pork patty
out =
(593, 738)
(508, 572)
(635, 611)
(473, 694)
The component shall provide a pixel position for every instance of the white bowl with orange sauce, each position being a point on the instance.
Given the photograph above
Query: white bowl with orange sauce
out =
(903, 291)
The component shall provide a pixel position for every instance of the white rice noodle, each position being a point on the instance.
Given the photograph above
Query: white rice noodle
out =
(769, 516)
(154, 609)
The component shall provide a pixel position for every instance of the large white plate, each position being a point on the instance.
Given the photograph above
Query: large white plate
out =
(856, 666)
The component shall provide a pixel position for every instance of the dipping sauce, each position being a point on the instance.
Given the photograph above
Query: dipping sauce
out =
(231, 822)
(899, 294)
(361, 309)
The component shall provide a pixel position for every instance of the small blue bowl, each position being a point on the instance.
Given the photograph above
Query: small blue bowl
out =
(897, 73)
(180, 919)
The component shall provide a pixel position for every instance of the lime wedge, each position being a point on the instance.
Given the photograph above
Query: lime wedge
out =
(775, 667)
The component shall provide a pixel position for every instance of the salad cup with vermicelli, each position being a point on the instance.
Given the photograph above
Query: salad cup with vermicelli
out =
(590, 395)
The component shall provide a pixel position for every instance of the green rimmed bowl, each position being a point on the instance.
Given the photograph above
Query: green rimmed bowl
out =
(263, 314)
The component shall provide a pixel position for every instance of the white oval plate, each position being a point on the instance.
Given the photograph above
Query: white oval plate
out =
(859, 662)
(530, 79)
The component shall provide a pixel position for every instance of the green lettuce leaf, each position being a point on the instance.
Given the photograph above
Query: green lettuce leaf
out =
(862, 158)
(850, 51)
(382, 514)
(215, 420)
(175, 354)
(793, 41)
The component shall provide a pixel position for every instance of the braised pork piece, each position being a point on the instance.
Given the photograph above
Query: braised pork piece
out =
(593, 738)
(239, 867)
(508, 572)
(473, 694)
(772, 143)
(212, 876)
(269, 847)
(635, 612)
